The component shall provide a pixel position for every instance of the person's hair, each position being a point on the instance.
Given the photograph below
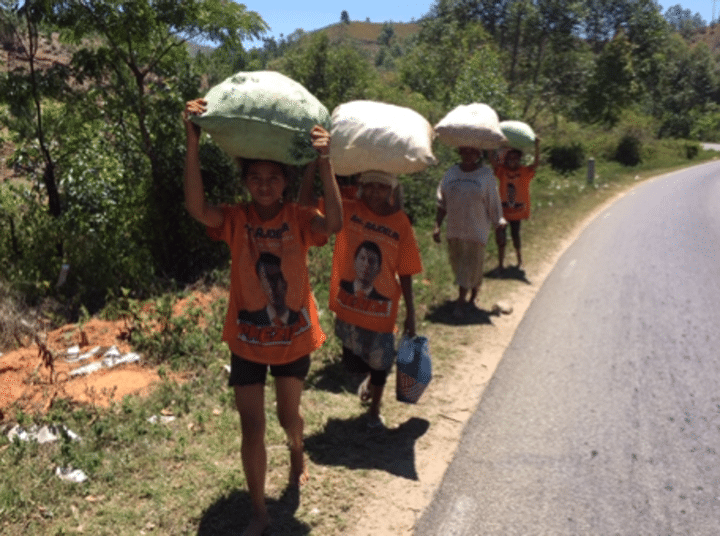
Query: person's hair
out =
(266, 259)
(370, 246)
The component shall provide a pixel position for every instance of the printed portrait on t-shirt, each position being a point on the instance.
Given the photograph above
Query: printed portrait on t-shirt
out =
(274, 287)
(368, 262)
(511, 202)
(360, 293)
(275, 323)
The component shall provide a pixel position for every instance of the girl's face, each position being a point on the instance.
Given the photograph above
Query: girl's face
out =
(512, 160)
(376, 196)
(266, 183)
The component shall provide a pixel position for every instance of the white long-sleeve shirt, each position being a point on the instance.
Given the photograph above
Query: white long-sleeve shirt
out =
(472, 203)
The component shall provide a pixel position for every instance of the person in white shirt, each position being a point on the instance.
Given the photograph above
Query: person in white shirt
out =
(468, 197)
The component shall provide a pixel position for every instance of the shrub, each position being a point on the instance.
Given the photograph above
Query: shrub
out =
(566, 158)
(691, 150)
(628, 151)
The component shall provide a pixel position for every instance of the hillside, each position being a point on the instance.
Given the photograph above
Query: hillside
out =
(363, 35)
(368, 32)
(710, 36)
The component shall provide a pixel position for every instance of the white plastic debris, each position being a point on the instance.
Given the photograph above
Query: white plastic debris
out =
(162, 419)
(112, 352)
(113, 361)
(43, 434)
(227, 368)
(110, 359)
(71, 475)
(72, 358)
(86, 369)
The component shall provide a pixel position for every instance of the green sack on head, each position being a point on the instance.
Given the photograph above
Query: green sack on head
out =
(519, 135)
(263, 115)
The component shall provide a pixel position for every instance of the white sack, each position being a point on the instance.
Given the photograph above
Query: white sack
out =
(471, 125)
(375, 136)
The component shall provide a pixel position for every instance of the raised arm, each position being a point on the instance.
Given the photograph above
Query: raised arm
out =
(332, 221)
(537, 153)
(195, 202)
(306, 197)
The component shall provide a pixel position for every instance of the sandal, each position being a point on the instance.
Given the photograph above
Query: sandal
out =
(364, 390)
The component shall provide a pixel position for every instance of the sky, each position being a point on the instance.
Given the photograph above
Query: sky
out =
(286, 16)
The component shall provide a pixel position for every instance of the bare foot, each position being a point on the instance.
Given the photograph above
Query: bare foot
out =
(257, 525)
(299, 471)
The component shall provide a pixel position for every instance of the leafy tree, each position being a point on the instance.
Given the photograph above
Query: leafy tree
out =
(25, 89)
(135, 69)
(386, 34)
(334, 74)
(687, 88)
(614, 85)
(481, 80)
(344, 17)
(437, 57)
(683, 21)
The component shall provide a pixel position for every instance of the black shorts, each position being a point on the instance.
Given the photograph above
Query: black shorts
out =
(355, 363)
(244, 372)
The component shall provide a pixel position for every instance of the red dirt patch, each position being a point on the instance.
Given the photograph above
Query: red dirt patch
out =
(29, 385)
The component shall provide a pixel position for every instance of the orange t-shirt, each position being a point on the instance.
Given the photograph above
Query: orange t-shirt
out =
(272, 317)
(514, 188)
(370, 252)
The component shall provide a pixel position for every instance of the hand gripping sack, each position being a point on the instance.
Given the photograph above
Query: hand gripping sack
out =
(414, 368)
(263, 115)
(471, 125)
(519, 135)
(375, 136)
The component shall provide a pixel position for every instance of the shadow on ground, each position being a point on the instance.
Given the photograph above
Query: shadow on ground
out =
(443, 314)
(230, 514)
(510, 272)
(332, 377)
(347, 442)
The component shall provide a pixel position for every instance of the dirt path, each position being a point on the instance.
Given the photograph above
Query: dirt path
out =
(397, 503)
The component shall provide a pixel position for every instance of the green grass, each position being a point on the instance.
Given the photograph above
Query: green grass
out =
(186, 477)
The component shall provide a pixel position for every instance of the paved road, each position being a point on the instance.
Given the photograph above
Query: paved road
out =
(604, 415)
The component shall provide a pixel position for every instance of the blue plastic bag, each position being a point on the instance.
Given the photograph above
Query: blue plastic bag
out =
(414, 368)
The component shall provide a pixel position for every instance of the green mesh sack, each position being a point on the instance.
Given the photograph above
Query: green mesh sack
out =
(519, 135)
(263, 115)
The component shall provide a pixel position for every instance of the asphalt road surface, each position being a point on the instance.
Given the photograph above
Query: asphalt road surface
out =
(603, 417)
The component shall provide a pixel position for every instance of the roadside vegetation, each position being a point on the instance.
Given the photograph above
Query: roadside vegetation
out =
(94, 181)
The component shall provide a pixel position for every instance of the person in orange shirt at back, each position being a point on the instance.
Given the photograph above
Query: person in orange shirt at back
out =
(272, 320)
(375, 256)
(514, 188)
